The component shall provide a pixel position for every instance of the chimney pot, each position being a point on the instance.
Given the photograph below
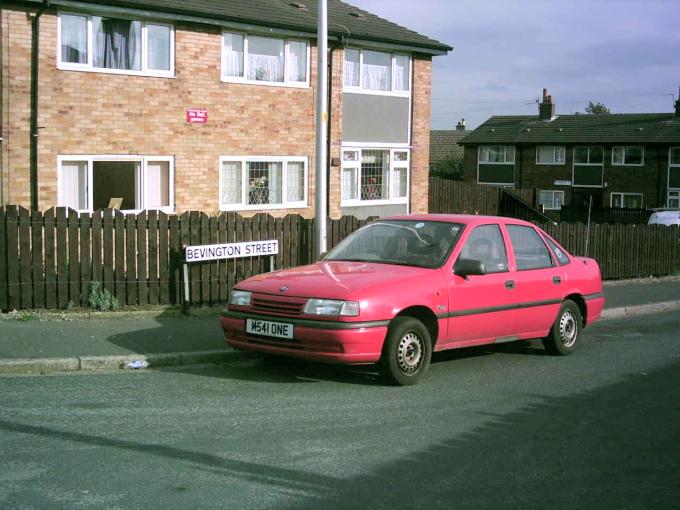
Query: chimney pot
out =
(546, 110)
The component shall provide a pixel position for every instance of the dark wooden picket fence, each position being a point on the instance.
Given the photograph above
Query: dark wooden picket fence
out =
(607, 215)
(48, 260)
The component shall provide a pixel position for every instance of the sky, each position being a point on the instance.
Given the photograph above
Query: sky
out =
(622, 53)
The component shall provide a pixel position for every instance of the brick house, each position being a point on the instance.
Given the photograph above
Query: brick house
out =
(444, 143)
(210, 106)
(621, 160)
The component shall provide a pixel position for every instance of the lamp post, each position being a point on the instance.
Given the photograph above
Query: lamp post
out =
(321, 198)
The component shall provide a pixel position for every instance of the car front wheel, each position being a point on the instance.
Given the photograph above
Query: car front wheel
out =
(407, 351)
(563, 337)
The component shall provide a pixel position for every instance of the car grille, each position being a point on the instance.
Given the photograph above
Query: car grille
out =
(277, 306)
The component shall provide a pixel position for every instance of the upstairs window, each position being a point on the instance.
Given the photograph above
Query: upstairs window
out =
(377, 71)
(550, 154)
(673, 170)
(497, 154)
(588, 166)
(633, 156)
(267, 60)
(115, 45)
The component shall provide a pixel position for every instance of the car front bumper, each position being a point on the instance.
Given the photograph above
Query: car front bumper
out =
(326, 341)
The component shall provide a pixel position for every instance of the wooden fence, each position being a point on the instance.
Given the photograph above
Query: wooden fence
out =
(48, 260)
(607, 215)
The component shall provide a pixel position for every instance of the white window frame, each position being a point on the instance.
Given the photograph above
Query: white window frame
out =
(505, 162)
(574, 164)
(89, 66)
(243, 79)
(555, 148)
(672, 193)
(345, 202)
(553, 192)
(673, 198)
(141, 195)
(623, 195)
(243, 160)
(392, 92)
(625, 147)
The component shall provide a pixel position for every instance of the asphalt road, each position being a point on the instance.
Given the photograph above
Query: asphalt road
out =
(501, 427)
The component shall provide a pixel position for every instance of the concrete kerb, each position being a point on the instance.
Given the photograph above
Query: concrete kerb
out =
(95, 363)
(632, 311)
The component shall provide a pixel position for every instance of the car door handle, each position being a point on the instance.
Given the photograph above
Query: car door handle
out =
(557, 280)
(510, 284)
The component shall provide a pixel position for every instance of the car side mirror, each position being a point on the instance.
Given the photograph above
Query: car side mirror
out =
(467, 267)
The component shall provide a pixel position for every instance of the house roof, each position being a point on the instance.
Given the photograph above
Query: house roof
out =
(345, 22)
(647, 128)
(445, 142)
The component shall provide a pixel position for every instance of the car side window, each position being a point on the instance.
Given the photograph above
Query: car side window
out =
(530, 251)
(486, 243)
(560, 255)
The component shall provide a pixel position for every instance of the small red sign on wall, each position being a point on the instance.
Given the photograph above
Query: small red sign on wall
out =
(199, 116)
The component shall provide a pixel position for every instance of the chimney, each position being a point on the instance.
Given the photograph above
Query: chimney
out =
(546, 110)
(461, 125)
(677, 104)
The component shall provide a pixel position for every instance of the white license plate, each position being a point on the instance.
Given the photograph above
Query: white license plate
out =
(269, 328)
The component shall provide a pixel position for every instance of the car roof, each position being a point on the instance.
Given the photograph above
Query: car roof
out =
(468, 219)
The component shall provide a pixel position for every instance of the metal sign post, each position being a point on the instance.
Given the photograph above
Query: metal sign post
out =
(206, 252)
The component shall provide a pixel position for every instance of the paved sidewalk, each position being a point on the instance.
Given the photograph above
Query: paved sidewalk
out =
(113, 340)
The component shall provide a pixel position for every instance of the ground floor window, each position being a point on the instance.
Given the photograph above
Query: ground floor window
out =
(374, 175)
(551, 199)
(129, 183)
(673, 198)
(262, 182)
(626, 200)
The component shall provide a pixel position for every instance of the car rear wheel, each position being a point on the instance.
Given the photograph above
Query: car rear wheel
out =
(563, 337)
(407, 351)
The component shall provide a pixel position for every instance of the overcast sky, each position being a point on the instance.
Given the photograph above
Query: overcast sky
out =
(623, 53)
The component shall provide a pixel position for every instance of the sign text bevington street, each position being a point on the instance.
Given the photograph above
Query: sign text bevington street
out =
(231, 251)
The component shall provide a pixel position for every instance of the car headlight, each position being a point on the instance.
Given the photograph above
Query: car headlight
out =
(332, 307)
(240, 297)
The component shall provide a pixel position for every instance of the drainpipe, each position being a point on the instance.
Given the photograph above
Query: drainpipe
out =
(2, 118)
(35, 61)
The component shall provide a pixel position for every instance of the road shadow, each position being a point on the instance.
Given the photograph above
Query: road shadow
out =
(612, 447)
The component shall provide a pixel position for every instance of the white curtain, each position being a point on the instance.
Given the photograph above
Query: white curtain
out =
(233, 55)
(118, 43)
(351, 68)
(73, 185)
(265, 59)
(295, 181)
(349, 183)
(297, 61)
(401, 72)
(157, 184)
(377, 70)
(74, 39)
(275, 183)
(158, 47)
(231, 182)
(399, 182)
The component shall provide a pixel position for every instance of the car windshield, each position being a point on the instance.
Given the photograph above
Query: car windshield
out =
(408, 243)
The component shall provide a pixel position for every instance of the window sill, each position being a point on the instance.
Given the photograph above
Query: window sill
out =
(547, 164)
(364, 203)
(150, 74)
(352, 90)
(264, 207)
(243, 81)
(626, 164)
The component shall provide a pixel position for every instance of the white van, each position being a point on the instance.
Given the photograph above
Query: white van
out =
(665, 218)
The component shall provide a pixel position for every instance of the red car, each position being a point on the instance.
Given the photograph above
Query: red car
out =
(403, 287)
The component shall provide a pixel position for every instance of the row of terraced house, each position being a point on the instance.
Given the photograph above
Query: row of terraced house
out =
(174, 106)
